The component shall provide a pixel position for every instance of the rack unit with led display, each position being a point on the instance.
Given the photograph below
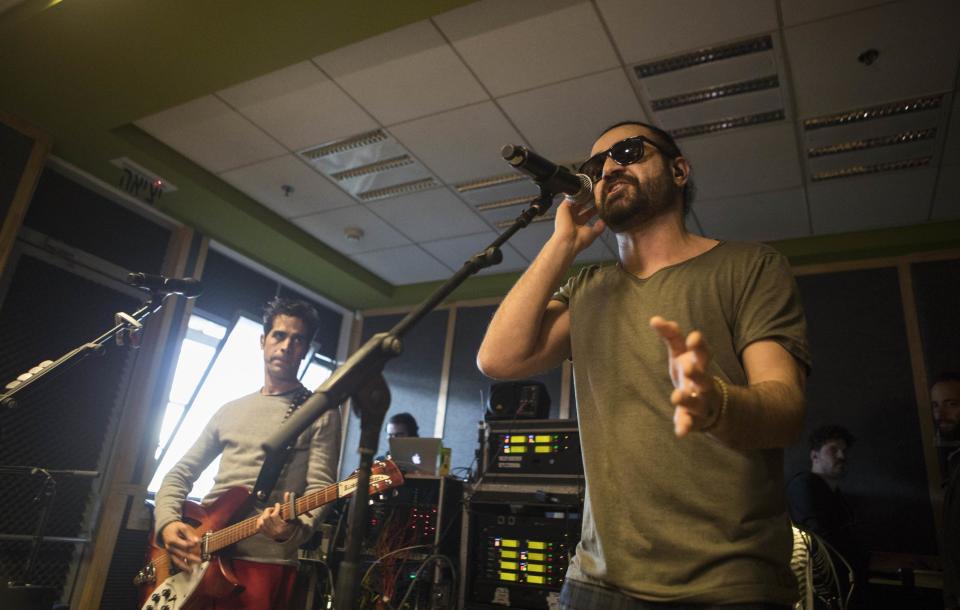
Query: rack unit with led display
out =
(517, 556)
(542, 448)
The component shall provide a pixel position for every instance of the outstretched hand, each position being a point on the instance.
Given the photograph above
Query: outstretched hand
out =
(695, 397)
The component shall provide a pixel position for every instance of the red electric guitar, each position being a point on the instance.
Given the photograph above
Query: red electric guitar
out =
(163, 585)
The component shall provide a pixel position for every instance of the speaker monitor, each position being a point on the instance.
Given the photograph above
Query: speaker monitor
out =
(518, 400)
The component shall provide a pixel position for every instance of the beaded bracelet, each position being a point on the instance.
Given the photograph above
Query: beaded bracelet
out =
(723, 405)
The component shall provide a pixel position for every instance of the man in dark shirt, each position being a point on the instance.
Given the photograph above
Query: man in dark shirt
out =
(818, 506)
(945, 404)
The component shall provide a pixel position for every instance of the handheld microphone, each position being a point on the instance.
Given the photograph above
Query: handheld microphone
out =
(187, 286)
(578, 188)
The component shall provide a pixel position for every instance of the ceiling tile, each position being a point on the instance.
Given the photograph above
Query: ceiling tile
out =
(899, 198)
(299, 106)
(329, 227)
(658, 28)
(801, 11)
(264, 182)
(513, 46)
(743, 161)
(759, 217)
(429, 215)
(456, 251)
(406, 265)
(403, 74)
(210, 133)
(562, 121)
(823, 56)
(946, 203)
(530, 241)
(462, 144)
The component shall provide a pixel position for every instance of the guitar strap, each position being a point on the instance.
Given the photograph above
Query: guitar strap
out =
(297, 398)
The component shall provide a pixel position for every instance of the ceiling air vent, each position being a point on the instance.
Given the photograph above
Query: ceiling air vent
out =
(715, 89)
(370, 166)
(482, 183)
(731, 123)
(874, 168)
(373, 168)
(713, 93)
(703, 56)
(914, 135)
(340, 146)
(398, 189)
(874, 112)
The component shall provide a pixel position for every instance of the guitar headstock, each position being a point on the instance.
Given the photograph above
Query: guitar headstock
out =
(384, 475)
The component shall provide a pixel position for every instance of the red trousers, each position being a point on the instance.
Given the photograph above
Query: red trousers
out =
(267, 586)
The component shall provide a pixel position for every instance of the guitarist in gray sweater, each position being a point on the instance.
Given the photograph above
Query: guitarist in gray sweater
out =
(265, 564)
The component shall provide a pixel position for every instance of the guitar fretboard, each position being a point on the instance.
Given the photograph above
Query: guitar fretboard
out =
(248, 527)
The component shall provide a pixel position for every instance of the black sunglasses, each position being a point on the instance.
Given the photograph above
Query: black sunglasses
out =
(623, 152)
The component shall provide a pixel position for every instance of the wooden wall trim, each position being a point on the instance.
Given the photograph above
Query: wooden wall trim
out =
(921, 394)
(444, 390)
(131, 439)
(25, 189)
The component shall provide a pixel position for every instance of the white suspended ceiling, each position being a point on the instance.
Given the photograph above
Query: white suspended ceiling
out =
(378, 139)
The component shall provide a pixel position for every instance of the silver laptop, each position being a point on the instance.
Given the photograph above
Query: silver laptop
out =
(415, 454)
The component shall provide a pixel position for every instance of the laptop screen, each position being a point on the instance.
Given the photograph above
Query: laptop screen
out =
(415, 454)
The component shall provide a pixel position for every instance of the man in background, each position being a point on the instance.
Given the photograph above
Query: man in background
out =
(817, 504)
(402, 425)
(945, 404)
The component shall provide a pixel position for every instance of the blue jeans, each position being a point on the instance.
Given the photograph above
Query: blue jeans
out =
(581, 596)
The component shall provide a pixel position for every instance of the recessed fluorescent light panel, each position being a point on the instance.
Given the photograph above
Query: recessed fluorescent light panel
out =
(874, 140)
(875, 168)
(873, 113)
(714, 89)
(370, 166)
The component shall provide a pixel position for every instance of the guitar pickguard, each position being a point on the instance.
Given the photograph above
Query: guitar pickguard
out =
(174, 593)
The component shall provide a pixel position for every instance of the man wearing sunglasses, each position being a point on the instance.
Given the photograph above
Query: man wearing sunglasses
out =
(689, 359)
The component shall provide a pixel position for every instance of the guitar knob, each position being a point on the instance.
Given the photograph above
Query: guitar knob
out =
(165, 607)
(155, 597)
(150, 607)
(165, 593)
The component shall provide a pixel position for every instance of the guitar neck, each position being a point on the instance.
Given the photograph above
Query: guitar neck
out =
(242, 530)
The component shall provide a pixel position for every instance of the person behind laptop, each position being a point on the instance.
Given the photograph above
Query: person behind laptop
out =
(402, 425)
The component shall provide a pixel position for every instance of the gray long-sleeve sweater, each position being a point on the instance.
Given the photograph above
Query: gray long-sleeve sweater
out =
(236, 433)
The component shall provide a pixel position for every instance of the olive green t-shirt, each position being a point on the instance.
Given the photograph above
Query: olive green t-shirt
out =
(666, 518)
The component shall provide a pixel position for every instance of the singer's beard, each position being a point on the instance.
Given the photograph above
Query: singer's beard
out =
(636, 204)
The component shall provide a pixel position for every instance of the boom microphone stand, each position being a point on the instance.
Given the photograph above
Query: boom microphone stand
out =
(126, 331)
(361, 377)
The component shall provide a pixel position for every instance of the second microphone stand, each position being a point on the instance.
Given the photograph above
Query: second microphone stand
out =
(361, 377)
